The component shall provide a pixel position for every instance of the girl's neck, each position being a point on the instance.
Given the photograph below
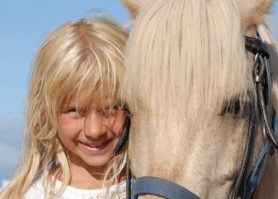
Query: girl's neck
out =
(92, 178)
(87, 179)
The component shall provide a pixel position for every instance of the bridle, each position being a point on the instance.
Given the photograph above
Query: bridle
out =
(245, 184)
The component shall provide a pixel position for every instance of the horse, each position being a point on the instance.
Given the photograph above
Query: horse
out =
(201, 85)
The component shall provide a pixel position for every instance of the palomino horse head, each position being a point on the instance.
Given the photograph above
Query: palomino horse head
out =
(189, 85)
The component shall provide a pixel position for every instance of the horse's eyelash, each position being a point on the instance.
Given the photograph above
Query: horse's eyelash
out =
(233, 107)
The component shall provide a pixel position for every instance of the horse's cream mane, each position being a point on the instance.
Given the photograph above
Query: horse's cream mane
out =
(183, 62)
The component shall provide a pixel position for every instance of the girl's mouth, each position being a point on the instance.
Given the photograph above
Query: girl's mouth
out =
(95, 147)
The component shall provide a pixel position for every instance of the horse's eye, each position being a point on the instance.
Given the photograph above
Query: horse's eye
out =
(233, 107)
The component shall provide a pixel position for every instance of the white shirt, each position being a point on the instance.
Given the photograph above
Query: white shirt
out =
(36, 191)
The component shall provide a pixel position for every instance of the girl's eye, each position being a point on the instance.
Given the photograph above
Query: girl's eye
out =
(108, 112)
(73, 111)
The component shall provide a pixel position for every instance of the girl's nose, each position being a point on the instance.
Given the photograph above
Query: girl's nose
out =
(94, 125)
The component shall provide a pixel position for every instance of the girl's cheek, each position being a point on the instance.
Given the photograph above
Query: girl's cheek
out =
(119, 126)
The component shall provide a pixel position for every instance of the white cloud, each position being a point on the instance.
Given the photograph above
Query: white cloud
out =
(8, 160)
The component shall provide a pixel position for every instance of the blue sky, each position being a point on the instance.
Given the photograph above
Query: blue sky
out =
(23, 24)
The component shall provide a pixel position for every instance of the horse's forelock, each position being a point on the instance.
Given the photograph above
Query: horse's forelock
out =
(186, 56)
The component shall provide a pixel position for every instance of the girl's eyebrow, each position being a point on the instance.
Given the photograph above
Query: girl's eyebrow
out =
(68, 109)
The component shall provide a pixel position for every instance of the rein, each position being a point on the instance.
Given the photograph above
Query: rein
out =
(245, 184)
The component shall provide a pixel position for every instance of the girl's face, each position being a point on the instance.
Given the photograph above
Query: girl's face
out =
(90, 135)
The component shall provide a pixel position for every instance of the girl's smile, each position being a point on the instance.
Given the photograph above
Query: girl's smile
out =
(95, 148)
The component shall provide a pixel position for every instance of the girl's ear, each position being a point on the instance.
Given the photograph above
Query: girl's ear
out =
(253, 12)
(134, 6)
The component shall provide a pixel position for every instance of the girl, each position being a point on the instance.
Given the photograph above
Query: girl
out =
(74, 118)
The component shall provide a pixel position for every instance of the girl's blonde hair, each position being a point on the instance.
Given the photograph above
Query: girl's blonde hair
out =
(80, 55)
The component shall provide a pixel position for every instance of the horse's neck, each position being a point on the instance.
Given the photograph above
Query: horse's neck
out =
(268, 184)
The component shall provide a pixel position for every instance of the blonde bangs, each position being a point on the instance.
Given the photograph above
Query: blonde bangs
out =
(88, 81)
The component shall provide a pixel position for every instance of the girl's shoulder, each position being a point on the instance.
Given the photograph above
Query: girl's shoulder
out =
(116, 191)
(36, 190)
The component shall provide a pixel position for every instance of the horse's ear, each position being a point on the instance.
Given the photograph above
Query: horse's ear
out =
(134, 6)
(253, 12)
